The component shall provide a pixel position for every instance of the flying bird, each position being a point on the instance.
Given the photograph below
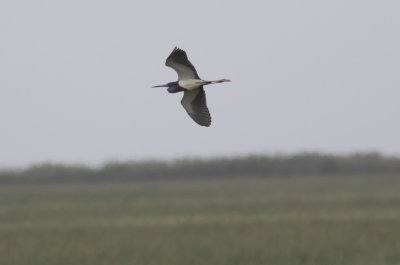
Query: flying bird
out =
(189, 82)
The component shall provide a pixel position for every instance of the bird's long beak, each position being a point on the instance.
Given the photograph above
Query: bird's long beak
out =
(166, 85)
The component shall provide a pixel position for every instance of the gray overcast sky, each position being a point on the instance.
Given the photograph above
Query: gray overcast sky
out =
(76, 77)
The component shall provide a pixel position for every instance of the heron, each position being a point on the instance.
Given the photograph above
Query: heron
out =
(189, 82)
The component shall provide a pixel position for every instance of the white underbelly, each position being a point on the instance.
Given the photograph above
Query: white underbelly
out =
(190, 84)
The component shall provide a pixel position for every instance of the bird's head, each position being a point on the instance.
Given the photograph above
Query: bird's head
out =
(166, 85)
(173, 87)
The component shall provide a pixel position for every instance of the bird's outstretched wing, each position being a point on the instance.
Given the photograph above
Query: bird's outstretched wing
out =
(194, 102)
(179, 61)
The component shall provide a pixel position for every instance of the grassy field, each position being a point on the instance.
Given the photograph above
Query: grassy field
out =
(346, 220)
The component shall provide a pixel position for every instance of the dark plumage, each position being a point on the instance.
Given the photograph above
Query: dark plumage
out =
(195, 104)
(189, 82)
(179, 56)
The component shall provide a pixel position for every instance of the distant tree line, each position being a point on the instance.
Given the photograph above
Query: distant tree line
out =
(263, 166)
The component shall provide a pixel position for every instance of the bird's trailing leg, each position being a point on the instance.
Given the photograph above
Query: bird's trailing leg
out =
(216, 81)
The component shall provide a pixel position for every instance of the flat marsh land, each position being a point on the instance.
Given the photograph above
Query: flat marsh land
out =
(304, 220)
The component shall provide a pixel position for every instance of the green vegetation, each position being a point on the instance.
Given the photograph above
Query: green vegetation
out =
(305, 164)
(303, 220)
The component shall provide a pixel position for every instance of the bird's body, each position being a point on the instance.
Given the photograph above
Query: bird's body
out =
(189, 82)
